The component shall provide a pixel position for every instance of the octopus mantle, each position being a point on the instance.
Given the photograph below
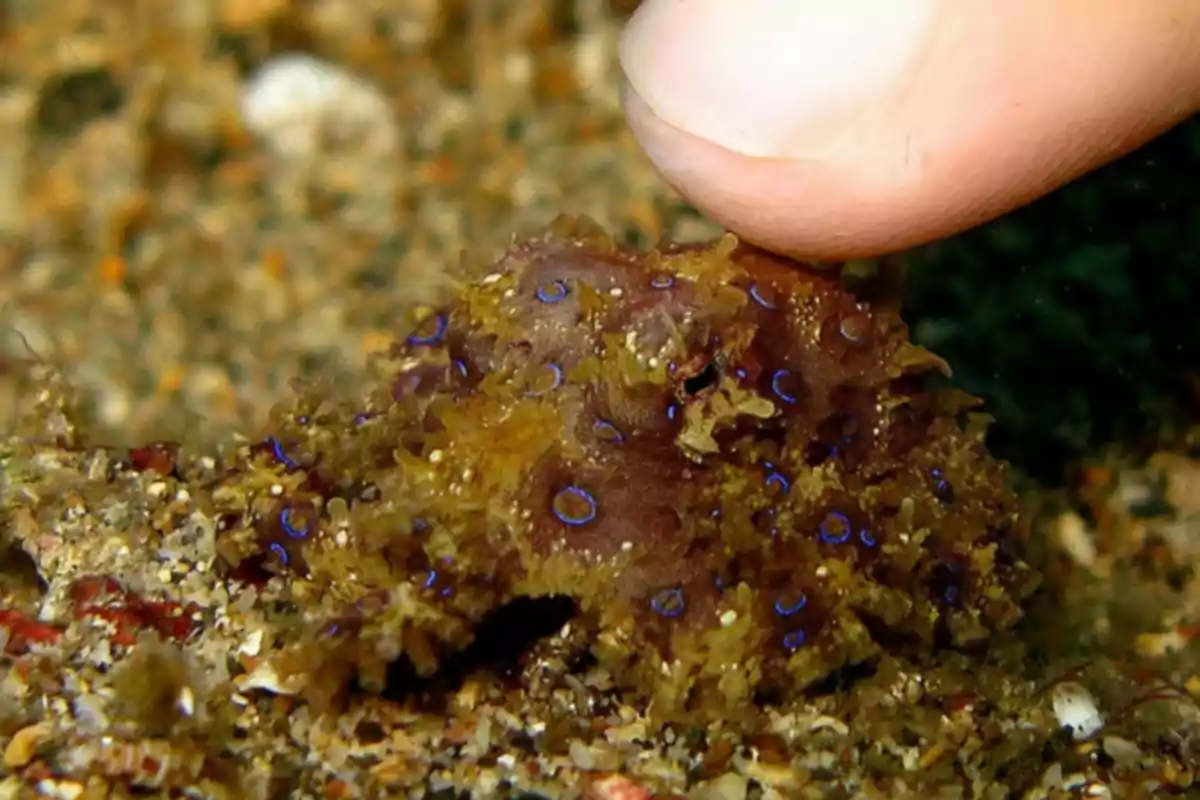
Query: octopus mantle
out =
(733, 467)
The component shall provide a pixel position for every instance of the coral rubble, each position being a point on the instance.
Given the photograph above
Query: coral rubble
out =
(732, 466)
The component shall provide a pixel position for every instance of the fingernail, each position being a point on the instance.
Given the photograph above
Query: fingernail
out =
(759, 77)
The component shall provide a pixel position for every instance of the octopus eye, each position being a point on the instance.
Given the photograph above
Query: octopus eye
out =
(784, 385)
(662, 282)
(556, 379)
(552, 292)
(608, 432)
(574, 506)
(785, 607)
(669, 603)
(835, 528)
(289, 527)
(794, 640)
(423, 334)
(707, 377)
(765, 299)
(854, 328)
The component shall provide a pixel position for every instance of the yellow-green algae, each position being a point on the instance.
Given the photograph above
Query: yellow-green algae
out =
(731, 465)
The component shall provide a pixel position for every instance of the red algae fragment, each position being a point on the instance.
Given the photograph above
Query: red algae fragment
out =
(23, 630)
(156, 457)
(733, 466)
(104, 598)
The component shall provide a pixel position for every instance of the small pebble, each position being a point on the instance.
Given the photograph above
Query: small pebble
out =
(1075, 708)
(729, 786)
(593, 757)
(24, 745)
(295, 100)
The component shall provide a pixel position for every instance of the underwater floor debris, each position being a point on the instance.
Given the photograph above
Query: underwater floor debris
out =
(678, 523)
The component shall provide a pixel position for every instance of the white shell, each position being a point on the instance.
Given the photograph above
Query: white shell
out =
(1075, 708)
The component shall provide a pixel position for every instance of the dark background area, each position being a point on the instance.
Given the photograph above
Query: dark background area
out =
(1077, 318)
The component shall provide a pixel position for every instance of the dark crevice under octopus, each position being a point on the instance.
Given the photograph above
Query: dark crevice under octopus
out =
(735, 469)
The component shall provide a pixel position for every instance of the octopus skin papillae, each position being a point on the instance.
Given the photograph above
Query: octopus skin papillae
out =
(733, 467)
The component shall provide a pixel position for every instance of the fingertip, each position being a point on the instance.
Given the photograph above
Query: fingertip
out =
(1006, 102)
(757, 76)
(805, 208)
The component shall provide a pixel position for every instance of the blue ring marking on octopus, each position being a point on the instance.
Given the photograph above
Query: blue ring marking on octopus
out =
(552, 292)
(866, 537)
(825, 532)
(672, 411)
(564, 496)
(780, 480)
(608, 432)
(662, 282)
(741, 372)
(836, 451)
(756, 295)
(461, 366)
(285, 519)
(794, 640)
(952, 592)
(278, 549)
(940, 482)
(776, 385)
(786, 611)
(280, 455)
(558, 379)
(941, 486)
(433, 338)
(432, 577)
(419, 525)
(775, 476)
(669, 603)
